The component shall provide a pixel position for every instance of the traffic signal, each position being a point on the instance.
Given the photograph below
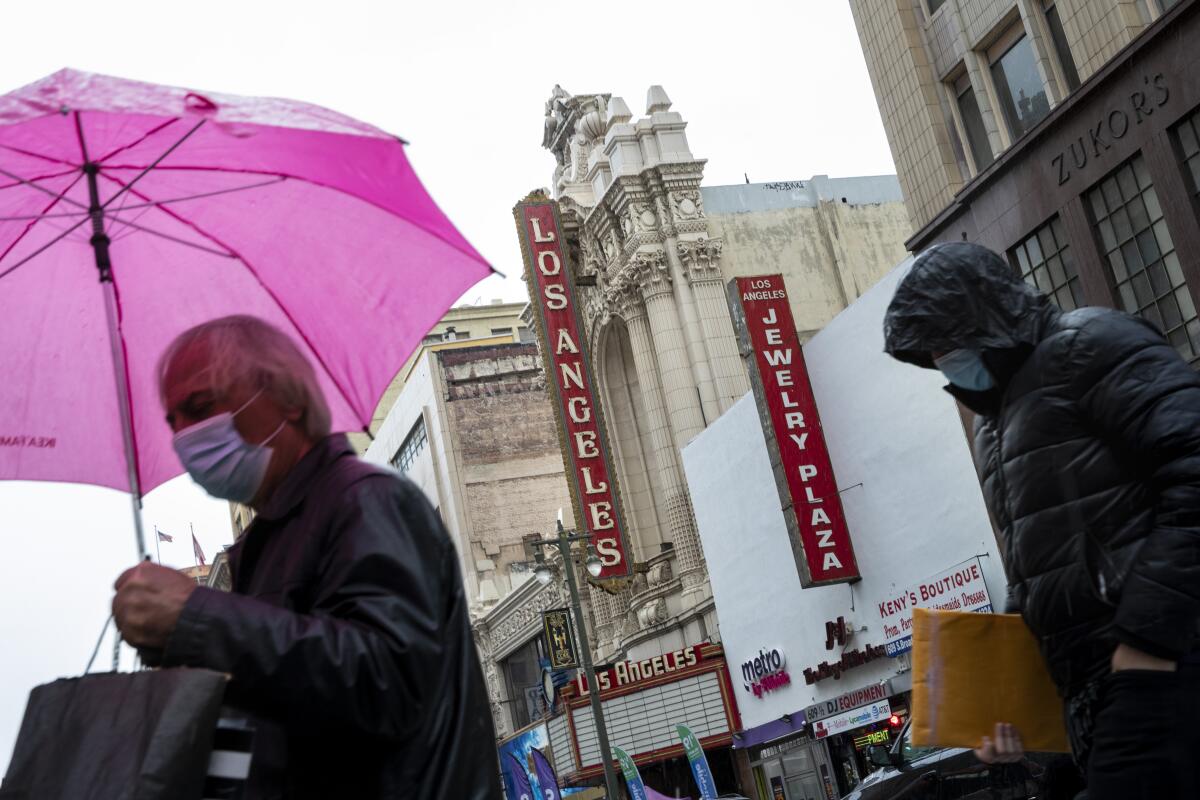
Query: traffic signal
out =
(895, 721)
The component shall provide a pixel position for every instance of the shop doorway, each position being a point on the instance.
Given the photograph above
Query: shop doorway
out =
(795, 773)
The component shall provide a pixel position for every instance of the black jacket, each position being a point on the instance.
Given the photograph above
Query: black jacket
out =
(347, 639)
(1089, 454)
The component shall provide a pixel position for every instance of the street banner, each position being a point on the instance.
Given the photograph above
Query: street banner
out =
(696, 757)
(960, 588)
(582, 435)
(560, 638)
(520, 779)
(547, 780)
(787, 408)
(633, 778)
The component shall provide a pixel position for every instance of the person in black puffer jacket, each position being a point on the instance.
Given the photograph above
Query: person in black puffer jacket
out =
(1087, 440)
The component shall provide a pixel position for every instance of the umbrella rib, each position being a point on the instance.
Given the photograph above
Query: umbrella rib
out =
(201, 195)
(318, 184)
(41, 188)
(44, 247)
(168, 237)
(33, 154)
(137, 141)
(30, 226)
(258, 279)
(153, 163)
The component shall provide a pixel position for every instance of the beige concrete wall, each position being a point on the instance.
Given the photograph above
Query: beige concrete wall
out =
(829, 254)
(910, 56)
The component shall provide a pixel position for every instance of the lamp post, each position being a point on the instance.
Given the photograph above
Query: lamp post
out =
(543, 573)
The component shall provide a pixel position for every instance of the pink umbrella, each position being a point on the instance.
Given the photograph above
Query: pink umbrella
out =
(130, 212)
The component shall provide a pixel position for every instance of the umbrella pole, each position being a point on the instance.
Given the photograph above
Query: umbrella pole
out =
(100, 242)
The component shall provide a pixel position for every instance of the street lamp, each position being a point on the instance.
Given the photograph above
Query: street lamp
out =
(595, 566)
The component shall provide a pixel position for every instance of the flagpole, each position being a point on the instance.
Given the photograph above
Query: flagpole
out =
(157, 551)
(195, 558)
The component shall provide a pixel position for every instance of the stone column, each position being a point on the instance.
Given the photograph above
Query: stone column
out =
(674, 415)
(652, 273)
(697, 352)
(701, 257)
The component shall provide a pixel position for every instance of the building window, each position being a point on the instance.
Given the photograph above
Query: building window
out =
(1044, 260)
(523, 681)
(1059, 37)
(934, 5)
(1141, 256)
(1188, 135)
(1019, 86)
(972, 122)
(524, 334)
(501, 331)
(414, 443)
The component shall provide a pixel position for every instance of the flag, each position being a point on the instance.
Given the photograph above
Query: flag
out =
(547, 780)
(162, 537)
(700, 770)
(633, 778)
(520, 779)
(196, 549)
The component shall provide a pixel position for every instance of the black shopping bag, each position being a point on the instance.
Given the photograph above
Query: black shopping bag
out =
(117, 736)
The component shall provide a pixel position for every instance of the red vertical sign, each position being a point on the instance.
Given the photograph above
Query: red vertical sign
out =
(787, 396)
(593, 486)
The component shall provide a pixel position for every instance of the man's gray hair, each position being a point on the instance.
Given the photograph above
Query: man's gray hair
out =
(244, 348)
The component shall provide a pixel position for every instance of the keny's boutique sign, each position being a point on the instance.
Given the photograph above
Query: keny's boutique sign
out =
(808, 490)
(959, 588)
(568, 372)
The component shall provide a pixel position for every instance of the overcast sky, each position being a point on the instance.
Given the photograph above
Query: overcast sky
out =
(772, 90)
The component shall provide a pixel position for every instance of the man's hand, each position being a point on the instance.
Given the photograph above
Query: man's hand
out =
(148, 602)
(1126, 657)
(1006, 748)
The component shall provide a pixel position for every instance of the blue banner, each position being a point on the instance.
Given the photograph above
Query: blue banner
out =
(547, 780)
(520, 779)
(633, 778)
(699, 762)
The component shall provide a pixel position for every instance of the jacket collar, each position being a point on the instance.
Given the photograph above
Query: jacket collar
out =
(297, 482)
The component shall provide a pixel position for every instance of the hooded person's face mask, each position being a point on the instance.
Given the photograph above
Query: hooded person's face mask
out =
(965, 369)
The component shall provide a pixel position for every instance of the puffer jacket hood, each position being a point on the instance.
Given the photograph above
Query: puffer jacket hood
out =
(962, 295)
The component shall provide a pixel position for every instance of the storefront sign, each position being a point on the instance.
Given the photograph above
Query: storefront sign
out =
(560, 638)
(593, 489)
(874, 737)
(848, 721)
(846, 702)
(807, 487)
(849, 660)
(765, 672)
(960, 588)
(625, 673)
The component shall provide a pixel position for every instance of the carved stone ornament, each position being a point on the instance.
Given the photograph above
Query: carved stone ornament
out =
(659, 574)
(652, 613)
(686, 204)
(515, 627)
(625, 299)
(650, 270)
(701, 258)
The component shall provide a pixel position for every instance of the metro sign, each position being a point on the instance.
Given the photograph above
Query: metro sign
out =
(804, 476)
(580, 425)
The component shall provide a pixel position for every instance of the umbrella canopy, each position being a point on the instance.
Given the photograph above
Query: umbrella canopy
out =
(130, 212)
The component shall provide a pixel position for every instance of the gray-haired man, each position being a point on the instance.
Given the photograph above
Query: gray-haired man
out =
(346, 634)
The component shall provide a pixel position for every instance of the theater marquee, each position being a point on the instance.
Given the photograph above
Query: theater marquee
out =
(808, 491)
(581, 428)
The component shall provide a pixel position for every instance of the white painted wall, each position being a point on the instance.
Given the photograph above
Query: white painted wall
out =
(918, 510)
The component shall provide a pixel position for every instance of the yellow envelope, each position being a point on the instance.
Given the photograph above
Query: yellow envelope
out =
(971, 671)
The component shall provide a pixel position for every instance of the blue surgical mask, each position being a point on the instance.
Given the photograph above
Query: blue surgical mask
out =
(966, 370)
(223, 463)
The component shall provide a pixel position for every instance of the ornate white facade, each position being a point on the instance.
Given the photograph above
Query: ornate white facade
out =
(650, 267)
